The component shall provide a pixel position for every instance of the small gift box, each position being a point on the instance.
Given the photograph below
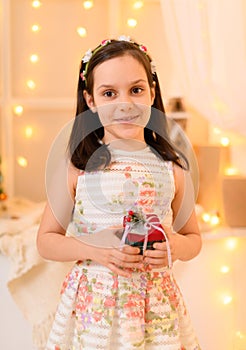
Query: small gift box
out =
(142, 231)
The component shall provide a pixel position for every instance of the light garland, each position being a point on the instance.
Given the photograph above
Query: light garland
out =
(82, 31)
(22, 161)
(31, 84)
(28, 132)
(224, 269)
(88, 4)
(35, 28)
(34, 58)
(36, 3)
(18, 110)
(231, 171)
(227, 299)
(225, 141)
(231, 243)
(138, 5)
(211, 219)
(132, 22)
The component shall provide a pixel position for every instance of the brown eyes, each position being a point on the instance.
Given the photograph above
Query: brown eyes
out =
(137, 90)
(111, 93)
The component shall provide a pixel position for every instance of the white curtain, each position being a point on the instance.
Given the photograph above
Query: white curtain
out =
(207, 45)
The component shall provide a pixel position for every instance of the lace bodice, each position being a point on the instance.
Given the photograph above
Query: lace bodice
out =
(134, 179)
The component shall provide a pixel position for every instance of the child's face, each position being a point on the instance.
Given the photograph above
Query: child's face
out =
(122, 97)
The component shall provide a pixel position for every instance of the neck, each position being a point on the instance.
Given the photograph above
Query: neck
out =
(128, 145)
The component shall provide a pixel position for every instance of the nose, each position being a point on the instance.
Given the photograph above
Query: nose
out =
(125, 106)
(125, 103)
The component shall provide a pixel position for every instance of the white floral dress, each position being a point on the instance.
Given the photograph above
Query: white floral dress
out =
(99, 309)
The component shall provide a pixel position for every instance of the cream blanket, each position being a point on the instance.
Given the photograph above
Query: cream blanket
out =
(33, 282)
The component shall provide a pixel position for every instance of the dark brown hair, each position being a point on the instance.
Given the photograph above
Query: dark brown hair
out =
(85, 146)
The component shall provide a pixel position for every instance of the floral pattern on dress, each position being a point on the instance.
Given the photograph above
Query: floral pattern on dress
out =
(137, 304)
(99, 309)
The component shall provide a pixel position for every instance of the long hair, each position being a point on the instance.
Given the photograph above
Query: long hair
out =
(87, 131)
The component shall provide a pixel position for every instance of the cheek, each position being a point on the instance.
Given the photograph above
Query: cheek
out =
(145, 113)
(105, 113)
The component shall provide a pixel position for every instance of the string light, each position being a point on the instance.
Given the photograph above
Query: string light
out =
(132, 22)
(88, 4)
(31, 84)
(22, 161)
(36, 28)
(216, 131)
(36, 4)
(227, 299)
(224, 269)
(224, 141)
(231, 243)
(240, 335)
(206, 217)
(138, 5)
(214, 220)
(34, 58)
(18, 110)
(231, 171)
(28, 132)
(81, 31)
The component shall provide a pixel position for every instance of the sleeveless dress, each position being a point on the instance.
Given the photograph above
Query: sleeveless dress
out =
(99, 309)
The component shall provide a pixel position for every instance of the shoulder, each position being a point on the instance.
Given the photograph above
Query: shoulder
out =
(72, 178)
(179, 177)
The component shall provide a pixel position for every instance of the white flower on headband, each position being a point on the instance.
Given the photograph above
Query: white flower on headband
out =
(124, 38)
(87, 56)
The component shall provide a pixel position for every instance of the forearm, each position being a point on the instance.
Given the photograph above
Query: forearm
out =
(58, 247)
(189, 246)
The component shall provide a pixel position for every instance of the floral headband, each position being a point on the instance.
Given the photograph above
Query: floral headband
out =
(88, 55)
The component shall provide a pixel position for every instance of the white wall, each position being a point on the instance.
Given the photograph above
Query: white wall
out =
(60, 49)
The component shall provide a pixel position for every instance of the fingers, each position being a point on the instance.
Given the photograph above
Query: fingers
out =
(121, 261)
(158, 257)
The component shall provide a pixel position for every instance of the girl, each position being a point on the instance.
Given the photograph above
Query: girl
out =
(122, 165)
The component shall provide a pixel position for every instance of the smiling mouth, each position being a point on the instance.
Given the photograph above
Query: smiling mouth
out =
(126, 119)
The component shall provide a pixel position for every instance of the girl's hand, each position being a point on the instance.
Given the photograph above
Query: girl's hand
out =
(119, 260)
(157, 258)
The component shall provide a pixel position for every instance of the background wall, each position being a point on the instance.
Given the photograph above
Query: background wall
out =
(49, 101)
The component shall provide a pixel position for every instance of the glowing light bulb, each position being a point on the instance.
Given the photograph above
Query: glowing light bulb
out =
(36, 4)
(206, 217)
(231, 243)
(224, 141)
(82, 31)
(216, 131)
(231, 171)
(18, 110)
(240, 335)
(28, 132)
(224, 269)
(132, 22)
(226, 299)
(34, 58)
(36, 28)
(138, 5)
(214, 220)
(22, 161)
(88, 4)
(31, 84)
